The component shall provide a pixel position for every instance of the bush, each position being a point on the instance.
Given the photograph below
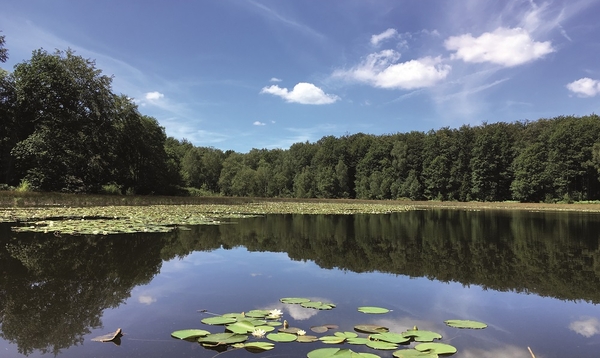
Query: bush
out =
(24, 186)
(111, 189)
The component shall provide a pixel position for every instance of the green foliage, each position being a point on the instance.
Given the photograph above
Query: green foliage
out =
(111, 189)
(24, 186)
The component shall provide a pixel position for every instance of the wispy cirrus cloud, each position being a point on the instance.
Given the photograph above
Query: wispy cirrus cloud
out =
(303, 93)
(387, 34)
(276, 16)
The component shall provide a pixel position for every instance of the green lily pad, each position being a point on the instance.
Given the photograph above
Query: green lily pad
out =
(357, 340)
(222, 338)
(370, 328)
(373, 310)
(294, 300)
(257, 313)
(422, 336)
(338, 353)
(282, 337)
(332, 339)
(463, 323)
(241, 327)
(218, 320)
(189, 333)
(292, 330)
(307, 339)
(382, 345)
(346, 334)
(318, 305)
(258, 346)
(390, 337)
(437, 348)
(412, 353)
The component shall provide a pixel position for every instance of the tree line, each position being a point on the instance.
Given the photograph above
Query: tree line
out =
(63, 129)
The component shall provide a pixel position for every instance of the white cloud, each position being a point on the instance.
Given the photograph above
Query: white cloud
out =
(257, 123)
(304, 93)
(381, 70)
(153, 96)
(146, 299)
(586, 327)
(506, 47)
(389, 33)
(275, 79)
(585, 87)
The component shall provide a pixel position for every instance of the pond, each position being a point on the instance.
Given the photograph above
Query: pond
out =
(532, 277)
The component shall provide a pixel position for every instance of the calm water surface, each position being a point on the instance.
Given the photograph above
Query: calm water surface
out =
(534, 278)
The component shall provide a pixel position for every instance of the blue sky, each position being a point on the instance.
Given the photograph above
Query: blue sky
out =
(269, 73)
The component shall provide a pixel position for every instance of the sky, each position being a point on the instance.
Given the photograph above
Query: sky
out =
(243, 74)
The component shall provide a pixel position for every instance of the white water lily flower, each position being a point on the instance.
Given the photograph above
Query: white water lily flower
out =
(259, 333)
(301, 332)
(275, 312)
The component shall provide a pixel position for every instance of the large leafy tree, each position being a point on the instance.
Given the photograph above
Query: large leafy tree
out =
(3, 50)
(66, 111)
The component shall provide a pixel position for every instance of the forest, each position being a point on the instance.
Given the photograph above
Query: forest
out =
(63, 129)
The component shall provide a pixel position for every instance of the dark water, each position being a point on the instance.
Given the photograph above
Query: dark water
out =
(534, 278)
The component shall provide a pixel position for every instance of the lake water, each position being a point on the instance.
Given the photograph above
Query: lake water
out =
(533, 277)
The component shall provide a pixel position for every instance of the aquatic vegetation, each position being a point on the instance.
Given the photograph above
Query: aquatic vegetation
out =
(239, 326)
(107, 220)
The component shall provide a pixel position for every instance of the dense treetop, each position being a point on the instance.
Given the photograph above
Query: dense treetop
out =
(63, 129)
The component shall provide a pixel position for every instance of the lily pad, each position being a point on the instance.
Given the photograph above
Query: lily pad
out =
(437, 348)
(463, 323)
(373, 310)
(189, 333)
(307, 339)
(370, 328)
(338, 353)
(332, 339)
(413, 353)
(294, 300)
(422, 336)
(282, 337)
(382, 345)
(390, 337)
(218, 320)
(346, 334)
(318, 305)
(258, 346)
(319, 329)
(257, 313)
(222, 339)
(357, 340)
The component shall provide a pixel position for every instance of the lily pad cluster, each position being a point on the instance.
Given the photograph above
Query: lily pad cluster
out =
(107, 220)
(239, 328)
(307, 303)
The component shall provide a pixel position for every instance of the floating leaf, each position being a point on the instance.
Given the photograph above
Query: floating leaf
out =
(346, 334)
(370, 328)
(462, 323)
(422, 336)
(282, 337)
(307, 339)
(332, 339)
(318, 305)
(319, 329)
(258, 346)
(390, 337)
(357, 340)
(189, 333)
(373, 310)
(258, 313)
(292, 330)
(240, 327)
(338, 353)
(437, 348)
(222, 338)
(294, 300)
(382, 345)
(412, 353)
(218, 320)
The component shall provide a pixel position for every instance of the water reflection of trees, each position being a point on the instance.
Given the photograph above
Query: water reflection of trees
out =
(551, 254)
(53, 290)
